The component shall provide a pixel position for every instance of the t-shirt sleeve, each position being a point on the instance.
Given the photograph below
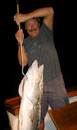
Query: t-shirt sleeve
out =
(48, 32)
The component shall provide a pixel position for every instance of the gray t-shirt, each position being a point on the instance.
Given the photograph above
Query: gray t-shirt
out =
(42, 48)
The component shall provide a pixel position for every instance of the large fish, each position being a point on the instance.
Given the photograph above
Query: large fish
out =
(31, 89)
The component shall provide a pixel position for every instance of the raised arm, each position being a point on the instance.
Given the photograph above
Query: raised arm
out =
(47, 13)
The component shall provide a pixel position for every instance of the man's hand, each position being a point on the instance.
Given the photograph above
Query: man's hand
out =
(19, 18)
(19, 36)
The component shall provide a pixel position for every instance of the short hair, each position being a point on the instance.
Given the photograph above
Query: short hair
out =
(37, 18)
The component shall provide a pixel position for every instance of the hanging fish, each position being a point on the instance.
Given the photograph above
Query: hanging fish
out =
(31, 89)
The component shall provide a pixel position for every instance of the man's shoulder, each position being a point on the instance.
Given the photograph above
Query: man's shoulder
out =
(44, 31)
(45, 28)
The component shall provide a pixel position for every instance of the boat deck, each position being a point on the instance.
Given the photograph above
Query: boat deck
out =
(55, 119)
(66, 117)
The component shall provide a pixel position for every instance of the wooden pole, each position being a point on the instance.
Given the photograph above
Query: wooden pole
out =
(20, 42)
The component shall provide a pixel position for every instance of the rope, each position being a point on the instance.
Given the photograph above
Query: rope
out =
(20, 44)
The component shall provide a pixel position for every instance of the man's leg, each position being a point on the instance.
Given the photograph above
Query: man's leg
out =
(57, 97)
(41, 126)
(44, 109)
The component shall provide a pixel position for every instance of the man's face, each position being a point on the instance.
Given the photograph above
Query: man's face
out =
(32, 27)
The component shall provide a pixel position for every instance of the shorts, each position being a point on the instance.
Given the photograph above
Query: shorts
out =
(55, 96)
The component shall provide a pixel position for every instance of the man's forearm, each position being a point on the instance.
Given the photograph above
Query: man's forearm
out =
(24, 56)
(46, 13)
(41, 12)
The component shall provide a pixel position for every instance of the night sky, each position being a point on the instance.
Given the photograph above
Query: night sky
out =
(64, 28)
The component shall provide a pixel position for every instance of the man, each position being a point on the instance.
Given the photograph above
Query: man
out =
(40, 45)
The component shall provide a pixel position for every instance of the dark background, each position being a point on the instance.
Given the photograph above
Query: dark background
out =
(65, 41)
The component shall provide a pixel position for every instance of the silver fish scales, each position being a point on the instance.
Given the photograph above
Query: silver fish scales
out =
(31, 89)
